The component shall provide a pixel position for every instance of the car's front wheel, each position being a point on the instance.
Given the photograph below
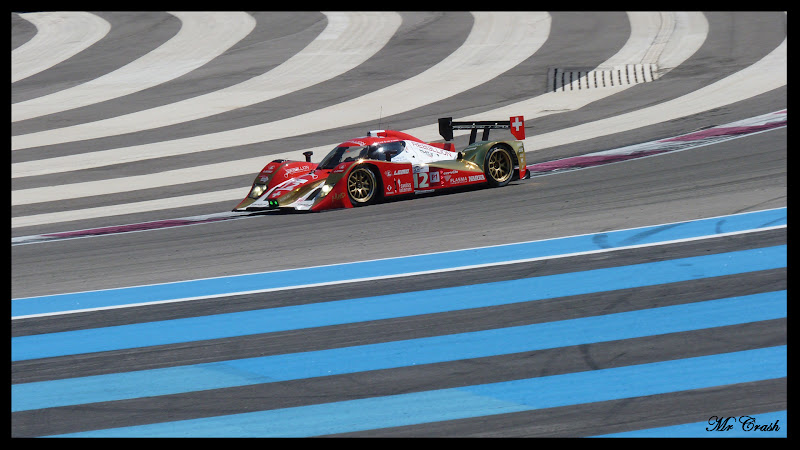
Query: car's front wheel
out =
(362, 187)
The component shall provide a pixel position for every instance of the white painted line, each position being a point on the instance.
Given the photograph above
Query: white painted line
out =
(191, 221)
(654, 144)
(498, 42)
(649, 32)
(399, 275)
(765, 75)
(667, 29)
(443, 252)
(59, 36)
(248, 166)
(645, 29)
(690, 32)
(203, 36)
(161, 204)
(553, 102)
(349, 39)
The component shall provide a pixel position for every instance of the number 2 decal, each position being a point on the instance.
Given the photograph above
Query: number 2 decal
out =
(421, 180)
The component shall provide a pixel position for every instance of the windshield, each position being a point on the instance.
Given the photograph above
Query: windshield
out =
(342, 154)
(386, 151)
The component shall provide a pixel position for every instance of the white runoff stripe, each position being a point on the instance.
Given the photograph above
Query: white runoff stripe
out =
(649, 32)
(645, 45)
(497, 43)
(765, 75)
(689, 29)
(244, 166)
(349, 39)
(689, 32)
(644, 26)
(59, 36)
(696, 98)
(203, 36)
(128, 208)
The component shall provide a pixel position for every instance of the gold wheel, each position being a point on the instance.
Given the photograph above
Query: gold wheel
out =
(361, 186)
(499, 166)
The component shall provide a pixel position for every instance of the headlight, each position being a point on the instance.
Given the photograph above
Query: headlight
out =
(257, 190)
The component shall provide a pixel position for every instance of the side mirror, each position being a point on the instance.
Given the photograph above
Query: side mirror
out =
(308, 155)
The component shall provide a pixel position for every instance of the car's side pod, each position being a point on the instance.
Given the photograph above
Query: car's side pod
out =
(516, 124)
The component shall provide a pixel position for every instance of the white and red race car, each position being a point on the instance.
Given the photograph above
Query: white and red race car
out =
(388, 163)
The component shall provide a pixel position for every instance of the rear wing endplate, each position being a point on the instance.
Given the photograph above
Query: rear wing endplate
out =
(516, 124)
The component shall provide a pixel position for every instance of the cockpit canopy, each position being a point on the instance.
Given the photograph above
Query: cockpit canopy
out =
(382, 151)
(385, 151)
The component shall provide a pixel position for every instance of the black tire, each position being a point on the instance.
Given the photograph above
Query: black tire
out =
(363, 187)
(499, 166)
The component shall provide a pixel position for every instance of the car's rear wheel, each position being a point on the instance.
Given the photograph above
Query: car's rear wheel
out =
(499, 166)
(362, 187)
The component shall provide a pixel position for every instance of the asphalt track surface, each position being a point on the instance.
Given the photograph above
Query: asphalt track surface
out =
(743, 175)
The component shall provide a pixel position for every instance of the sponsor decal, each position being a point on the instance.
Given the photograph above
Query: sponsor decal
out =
(428, 153)
(434, 177)
(286, 186)
(477, 178)
(458, 180)
(405, 187)
(292, 170)
(338, 196)
(420, 169)
(397, 172)
(429, 150)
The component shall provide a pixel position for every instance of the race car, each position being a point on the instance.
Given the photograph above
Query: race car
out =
(388, 163)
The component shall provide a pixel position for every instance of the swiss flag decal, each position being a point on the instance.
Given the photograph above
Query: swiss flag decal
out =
(518, 127)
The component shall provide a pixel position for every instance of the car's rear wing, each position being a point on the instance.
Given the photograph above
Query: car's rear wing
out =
(516, 124)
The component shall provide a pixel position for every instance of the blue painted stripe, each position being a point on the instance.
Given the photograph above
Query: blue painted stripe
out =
(224, 374)
(395, 305)
(480, 400)
(396, 266)
(746, 425)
